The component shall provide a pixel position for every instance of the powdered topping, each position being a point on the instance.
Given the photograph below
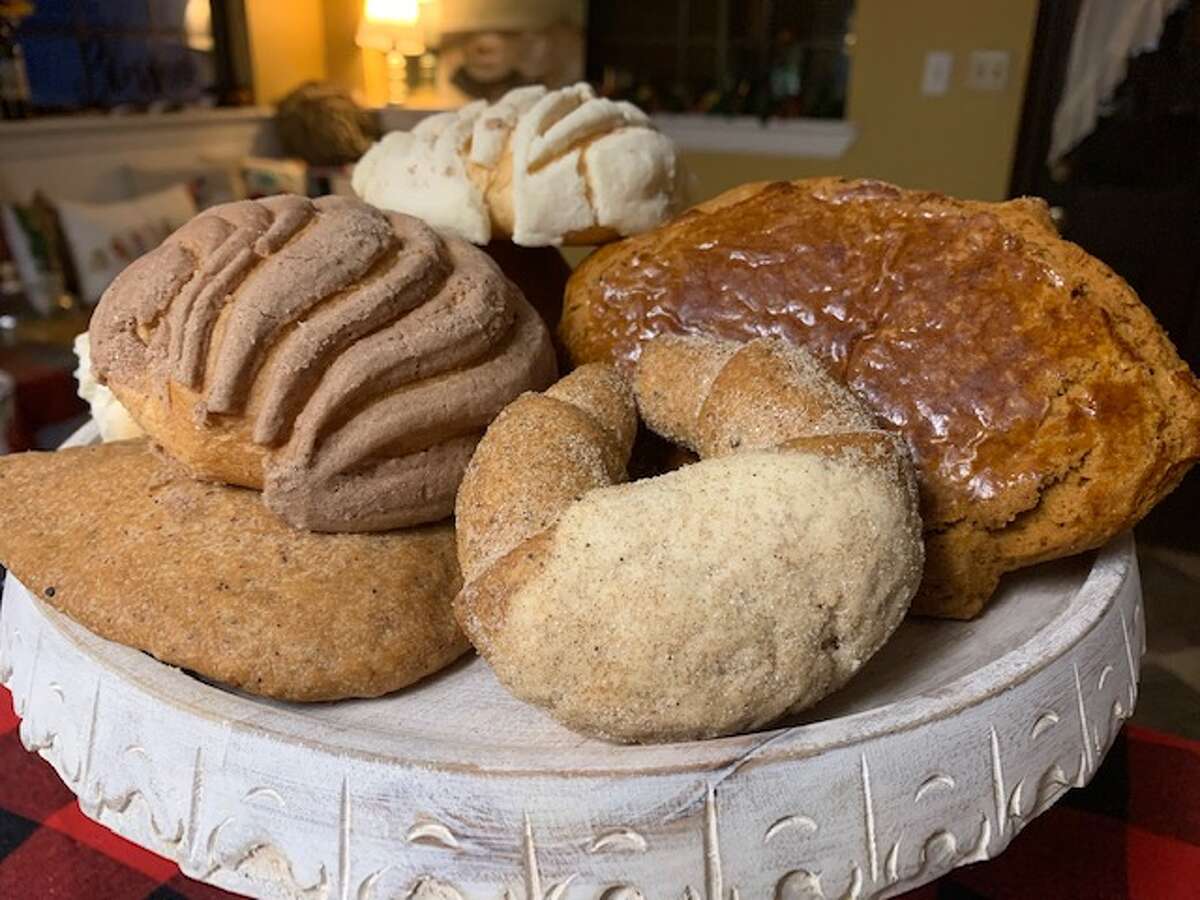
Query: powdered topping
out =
(494, 125)
(423, 173)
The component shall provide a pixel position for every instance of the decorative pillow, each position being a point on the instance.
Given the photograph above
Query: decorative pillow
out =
(263, 176)
(34, 240)
(103, 238)
(211, 181)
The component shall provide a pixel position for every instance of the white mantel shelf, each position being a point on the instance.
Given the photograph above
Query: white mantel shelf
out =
(90, 124)
(814, 138)
(88, 157)
(811, 138)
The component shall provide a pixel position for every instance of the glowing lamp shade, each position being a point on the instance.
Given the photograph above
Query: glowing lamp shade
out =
(393, 26)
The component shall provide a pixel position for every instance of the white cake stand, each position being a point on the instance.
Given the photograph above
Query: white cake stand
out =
(935, 756)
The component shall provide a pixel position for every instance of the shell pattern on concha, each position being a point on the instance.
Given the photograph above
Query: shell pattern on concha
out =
(359, 355)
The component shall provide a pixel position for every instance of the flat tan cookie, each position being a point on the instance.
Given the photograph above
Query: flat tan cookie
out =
(205, 577)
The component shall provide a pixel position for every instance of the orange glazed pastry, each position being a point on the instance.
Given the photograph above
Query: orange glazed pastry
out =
(1045, 408)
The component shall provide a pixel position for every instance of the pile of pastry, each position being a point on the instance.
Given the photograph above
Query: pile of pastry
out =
(359, 458)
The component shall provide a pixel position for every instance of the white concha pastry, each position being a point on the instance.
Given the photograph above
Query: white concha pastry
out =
(542, 167)
(112, 419)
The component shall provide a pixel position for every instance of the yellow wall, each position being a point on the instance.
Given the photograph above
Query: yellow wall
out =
(292, 41)
(960, 143)
(362, 72)
(343, 60)
(287, 45)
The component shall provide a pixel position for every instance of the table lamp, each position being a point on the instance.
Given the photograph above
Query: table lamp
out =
(393, 26)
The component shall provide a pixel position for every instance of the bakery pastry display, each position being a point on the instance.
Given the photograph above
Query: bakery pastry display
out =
(542, 167)
(893, 398)
(1045, 409)
(709, 600)
(342, 360)
(204, 577)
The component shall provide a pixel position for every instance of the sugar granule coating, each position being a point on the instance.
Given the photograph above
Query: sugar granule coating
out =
(710, 600)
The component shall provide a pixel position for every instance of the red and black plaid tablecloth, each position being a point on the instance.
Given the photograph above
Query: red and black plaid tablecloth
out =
(1133, 832)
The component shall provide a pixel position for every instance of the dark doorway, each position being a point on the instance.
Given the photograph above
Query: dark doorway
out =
(1129, 193)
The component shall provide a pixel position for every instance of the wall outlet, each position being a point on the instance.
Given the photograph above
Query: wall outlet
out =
(987, 70)
(935, 79)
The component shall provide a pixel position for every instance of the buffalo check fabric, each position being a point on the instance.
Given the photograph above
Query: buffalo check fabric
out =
(1133, 832)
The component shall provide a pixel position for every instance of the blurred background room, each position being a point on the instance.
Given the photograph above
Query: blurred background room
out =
(122, 118)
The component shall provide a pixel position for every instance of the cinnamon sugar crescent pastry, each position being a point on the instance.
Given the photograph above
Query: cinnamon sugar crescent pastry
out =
(710, 600)
(343, 360)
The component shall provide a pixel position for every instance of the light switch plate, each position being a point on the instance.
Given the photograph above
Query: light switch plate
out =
(987, 70)
(935, 79)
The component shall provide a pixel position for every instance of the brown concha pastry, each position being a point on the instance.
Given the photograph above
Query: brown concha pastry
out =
(1045, 408)
(203, 576)
(343, 360)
